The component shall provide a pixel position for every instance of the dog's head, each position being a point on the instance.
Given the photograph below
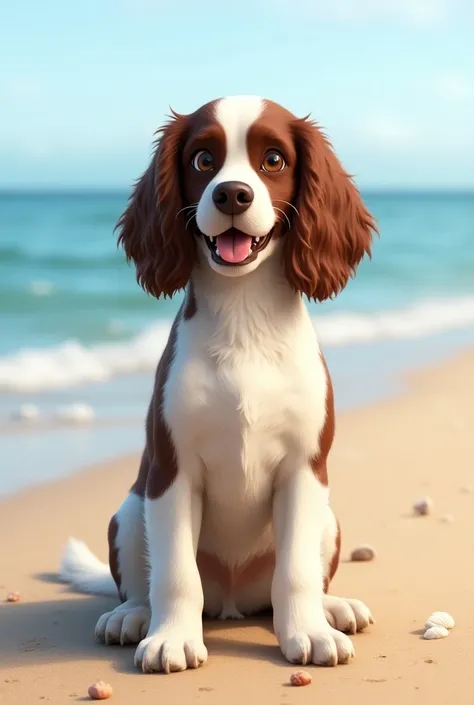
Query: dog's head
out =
(236, 182)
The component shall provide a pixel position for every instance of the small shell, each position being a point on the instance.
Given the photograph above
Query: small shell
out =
(100, 691)
(423, 506)
(13, 597)
(435, 633)
(300, 678)
(363, 553)
(467, 489)
(440, 619)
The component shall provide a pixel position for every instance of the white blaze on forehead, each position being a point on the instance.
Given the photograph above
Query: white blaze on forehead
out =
(236, 114)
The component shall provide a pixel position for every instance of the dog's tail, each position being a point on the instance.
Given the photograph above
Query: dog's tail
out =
(84, 571)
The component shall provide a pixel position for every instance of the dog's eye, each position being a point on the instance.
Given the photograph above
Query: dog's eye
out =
(273, 161)
(203, 161)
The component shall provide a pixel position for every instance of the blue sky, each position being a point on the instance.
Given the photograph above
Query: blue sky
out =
(84, 85)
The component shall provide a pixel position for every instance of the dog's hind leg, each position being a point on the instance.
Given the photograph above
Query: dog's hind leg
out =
(127, 623)
(345, 614)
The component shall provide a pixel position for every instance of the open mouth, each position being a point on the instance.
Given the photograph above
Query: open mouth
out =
(235, 248)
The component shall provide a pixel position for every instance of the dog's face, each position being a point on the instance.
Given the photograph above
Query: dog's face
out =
(239, 181)
(238, 170)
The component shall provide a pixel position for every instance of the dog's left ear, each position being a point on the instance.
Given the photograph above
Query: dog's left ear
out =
(151, 229)
(332, 230)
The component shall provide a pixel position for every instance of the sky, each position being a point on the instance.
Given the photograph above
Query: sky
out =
(83, 85)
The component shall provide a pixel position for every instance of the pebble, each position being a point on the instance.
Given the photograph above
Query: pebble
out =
(299, 678)
(423, 506)
(363, 553)
(100, 691)
(13, 597)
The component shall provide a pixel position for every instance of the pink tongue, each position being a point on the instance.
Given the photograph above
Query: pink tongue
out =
(234, 248)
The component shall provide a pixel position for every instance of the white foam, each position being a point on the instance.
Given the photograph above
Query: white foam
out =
(26, 412)
(74, 413)
(41, 288)
(71, 364)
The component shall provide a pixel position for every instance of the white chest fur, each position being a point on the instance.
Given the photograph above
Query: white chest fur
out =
(246, 395)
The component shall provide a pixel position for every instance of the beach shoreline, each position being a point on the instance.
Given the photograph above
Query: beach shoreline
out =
(362, 374)
(387, 454)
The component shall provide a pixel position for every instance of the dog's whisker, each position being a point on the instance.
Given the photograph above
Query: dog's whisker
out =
(288, 224)
(279, 200)
(186, 208)
(189, 220)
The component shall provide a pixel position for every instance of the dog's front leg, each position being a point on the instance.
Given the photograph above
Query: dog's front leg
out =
(300, 510)
(173, 522)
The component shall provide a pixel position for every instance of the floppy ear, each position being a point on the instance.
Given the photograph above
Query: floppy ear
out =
(149, 230)
(332, 230)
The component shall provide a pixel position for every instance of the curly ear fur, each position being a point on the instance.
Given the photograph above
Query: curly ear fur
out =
(333, 229)
(149, 230)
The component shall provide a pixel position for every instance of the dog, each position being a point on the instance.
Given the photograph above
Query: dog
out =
(247, 208)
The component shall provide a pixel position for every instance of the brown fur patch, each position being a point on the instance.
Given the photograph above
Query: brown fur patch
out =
(319, 462)
(332, 230)
(114, 557)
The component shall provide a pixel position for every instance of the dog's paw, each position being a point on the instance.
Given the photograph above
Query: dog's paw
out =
(126, 624)
(323, 646)
(347, 615)
(169, 651)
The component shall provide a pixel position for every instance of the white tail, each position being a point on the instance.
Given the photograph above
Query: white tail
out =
(84, 571)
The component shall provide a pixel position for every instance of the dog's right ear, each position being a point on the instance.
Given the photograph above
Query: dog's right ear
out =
(152, 235)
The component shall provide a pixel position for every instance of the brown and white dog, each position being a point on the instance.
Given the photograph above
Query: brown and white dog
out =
(248, 208)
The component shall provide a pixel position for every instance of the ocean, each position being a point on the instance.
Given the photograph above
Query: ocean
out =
(77, 328)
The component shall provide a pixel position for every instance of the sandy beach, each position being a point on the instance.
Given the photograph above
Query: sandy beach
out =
(386, 456)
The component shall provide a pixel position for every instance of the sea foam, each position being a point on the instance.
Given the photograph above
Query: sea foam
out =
(72, 364)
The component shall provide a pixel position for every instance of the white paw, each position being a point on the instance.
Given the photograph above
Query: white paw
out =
(323, 646)
(126, 624)
(347, 615)
(169, 651)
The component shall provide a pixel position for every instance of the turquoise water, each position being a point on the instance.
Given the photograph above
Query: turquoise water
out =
(65, 289)
(77, 329)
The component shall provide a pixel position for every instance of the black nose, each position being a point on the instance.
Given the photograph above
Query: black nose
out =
(232, 197)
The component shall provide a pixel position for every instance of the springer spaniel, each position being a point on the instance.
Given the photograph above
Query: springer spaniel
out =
(247, 208)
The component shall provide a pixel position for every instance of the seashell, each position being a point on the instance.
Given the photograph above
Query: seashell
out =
(363, 553)
(423, 506)
(440, 619)
(100, 691)
(436, 633)
(300, 678)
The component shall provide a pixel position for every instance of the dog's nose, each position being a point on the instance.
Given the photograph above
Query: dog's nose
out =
(232, 197)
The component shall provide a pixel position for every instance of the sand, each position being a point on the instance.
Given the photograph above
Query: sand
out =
(386, 457)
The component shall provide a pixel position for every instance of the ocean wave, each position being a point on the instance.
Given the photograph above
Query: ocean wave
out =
(72, 364)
